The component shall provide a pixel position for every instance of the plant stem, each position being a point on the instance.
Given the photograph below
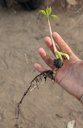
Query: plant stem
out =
(50, 29)
(56, 52)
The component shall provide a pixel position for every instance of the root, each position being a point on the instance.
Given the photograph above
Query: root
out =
(37, 79)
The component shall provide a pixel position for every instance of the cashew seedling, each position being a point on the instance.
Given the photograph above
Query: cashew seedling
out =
(58, 62)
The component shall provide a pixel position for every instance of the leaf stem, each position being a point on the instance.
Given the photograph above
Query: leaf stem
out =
(50, 30)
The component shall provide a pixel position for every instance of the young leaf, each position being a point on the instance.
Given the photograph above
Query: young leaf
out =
(58, 55)
(48, 11)
(43, 12)
(54, 16)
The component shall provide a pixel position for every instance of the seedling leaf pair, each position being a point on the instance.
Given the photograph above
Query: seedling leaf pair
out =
(48, 13)
(60, 55)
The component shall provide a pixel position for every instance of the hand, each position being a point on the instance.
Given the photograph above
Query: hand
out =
(70, 76)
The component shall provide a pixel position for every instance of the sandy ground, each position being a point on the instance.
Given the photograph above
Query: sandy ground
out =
(21, 34)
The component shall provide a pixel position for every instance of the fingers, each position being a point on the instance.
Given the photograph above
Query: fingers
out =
(46, 58)
(49, 44)
(62, 44)
(39, 68)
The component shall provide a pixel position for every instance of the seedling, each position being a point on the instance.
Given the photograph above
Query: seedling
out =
(58, 62)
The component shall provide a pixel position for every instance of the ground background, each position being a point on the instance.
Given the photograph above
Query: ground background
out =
(21, 33)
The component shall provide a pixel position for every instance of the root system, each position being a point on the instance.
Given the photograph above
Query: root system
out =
(33, 84)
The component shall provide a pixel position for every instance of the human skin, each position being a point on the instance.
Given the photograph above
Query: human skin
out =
(70, 75)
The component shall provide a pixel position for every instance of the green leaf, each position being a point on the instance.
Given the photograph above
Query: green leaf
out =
(59, 54)
(43, 12)
(48, 11)
(54, 16)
